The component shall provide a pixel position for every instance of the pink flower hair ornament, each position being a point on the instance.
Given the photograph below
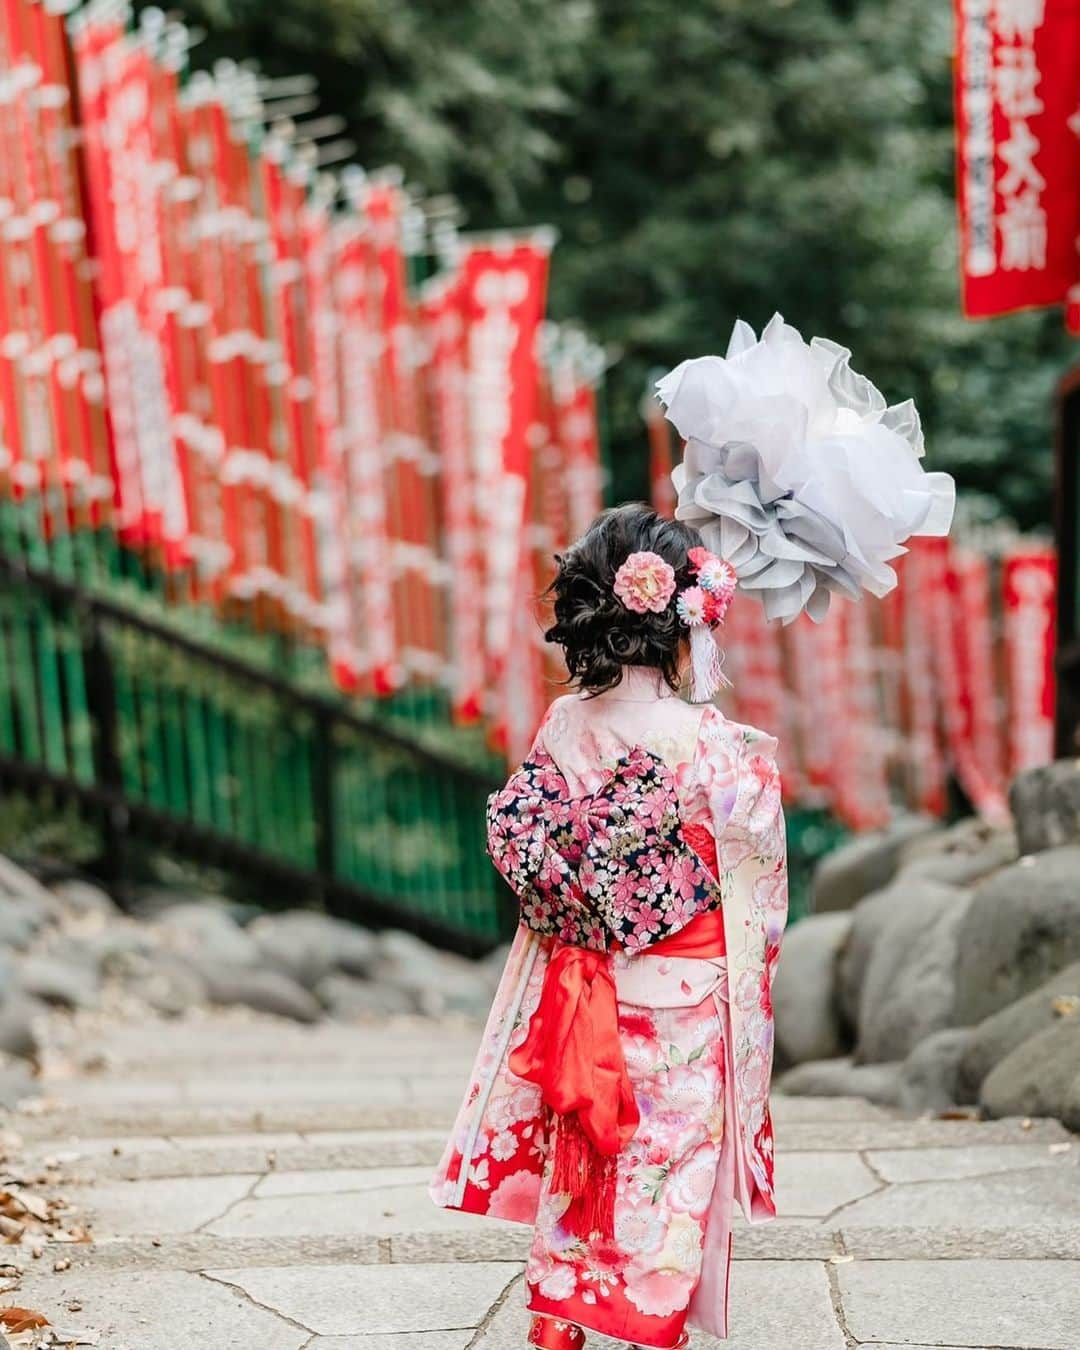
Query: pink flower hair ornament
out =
(645, 583)
(701, 608)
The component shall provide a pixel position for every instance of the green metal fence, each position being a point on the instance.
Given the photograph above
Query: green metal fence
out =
(161, 737)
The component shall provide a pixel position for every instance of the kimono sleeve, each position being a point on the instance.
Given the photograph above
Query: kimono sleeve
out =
(530, 837)
(744, 782)
(736, 790)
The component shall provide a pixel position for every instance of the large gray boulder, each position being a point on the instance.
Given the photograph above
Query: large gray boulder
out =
(437, 981)
(16, 1081)
(82, 898)
(18, 1014)
(871, 917)
(864, 864)
(17, 925)
(929, 1075)
(349, 999)
(69, 984)
(18, 887)
(206, 928)
(168, 984)
(878, 1083)
(1070, 1107)
(1039, 1077)
(1023, 925)
(309, 946)
(805, 1007)
(960, 855)
(998, 1035)
(909, 987)
(266, 991)
(1046, 805)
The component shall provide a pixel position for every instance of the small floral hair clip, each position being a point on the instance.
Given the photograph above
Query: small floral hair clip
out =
(645, 583)
(716, 578)
(701, 608)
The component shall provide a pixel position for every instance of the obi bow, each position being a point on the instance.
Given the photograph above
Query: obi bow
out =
(609, 869)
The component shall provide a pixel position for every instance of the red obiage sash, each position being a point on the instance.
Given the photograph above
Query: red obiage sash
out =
(574, 1055)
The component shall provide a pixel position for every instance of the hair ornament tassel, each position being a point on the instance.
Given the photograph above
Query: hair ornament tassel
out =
(706, 664)
(702, 608)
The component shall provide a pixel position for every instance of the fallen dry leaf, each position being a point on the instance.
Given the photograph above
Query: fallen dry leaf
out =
(1065, 1005)
(22, 1319)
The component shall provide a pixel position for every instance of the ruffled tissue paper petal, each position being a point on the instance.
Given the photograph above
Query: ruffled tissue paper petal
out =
(797, 472)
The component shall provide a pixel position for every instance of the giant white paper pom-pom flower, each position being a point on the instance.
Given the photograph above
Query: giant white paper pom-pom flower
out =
(797, 472)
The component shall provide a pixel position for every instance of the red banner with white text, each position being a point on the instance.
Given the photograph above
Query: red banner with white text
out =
(504, 285)
(1017, 97)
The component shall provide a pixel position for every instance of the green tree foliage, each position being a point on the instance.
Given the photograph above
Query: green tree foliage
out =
(703, 160)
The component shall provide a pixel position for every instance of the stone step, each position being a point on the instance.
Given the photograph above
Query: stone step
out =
(219, 1155)
(799, 1126)
(486, 1241)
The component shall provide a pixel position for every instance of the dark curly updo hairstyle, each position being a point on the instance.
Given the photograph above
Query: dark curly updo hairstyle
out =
(596, 631)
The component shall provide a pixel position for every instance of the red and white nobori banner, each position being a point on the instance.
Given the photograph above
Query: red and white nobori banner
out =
(1029, 587)
(1018, 153)
(441, 311)
(504, 284)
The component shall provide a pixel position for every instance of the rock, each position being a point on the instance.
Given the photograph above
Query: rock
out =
(929, 1075)
(961, 855)
(309, 946)
(17, 926)
(264, 990)
(18, 1013)
(26, 892)
(169, 985)
(870, 918)
(804, 992)
(865, 864)
(16, 1081)
(1046, 805)
(1022, 926)
(206, 927)
(66, 983)
(909, 988)
(1038, 1077)
(438, 981)
(1070, 1107)
(879, 1083)
(347, 998)
(81, 898)
(998, 1035)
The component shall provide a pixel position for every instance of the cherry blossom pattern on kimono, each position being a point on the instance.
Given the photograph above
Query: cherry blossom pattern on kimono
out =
(611, 865)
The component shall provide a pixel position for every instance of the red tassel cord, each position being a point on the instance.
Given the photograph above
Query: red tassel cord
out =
(588, 1176)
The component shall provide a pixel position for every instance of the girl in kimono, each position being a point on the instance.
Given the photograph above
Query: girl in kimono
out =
(620, 1100)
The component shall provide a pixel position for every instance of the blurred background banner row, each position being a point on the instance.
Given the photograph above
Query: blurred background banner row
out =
(285, 456)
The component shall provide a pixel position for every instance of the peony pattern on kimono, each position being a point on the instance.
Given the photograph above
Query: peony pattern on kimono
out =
(611, 866)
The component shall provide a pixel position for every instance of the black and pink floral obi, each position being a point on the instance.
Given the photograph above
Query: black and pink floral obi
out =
(613, 868)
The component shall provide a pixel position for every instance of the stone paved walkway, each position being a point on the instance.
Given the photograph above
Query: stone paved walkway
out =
(258, 1186)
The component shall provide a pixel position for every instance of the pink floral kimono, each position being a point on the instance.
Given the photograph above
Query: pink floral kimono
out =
(637, 822)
